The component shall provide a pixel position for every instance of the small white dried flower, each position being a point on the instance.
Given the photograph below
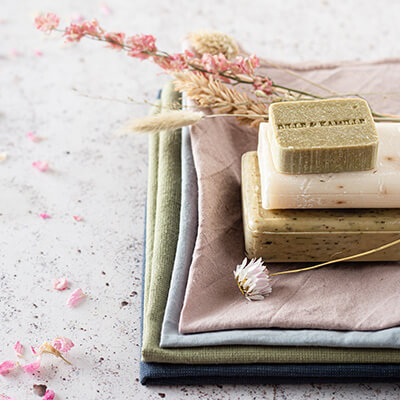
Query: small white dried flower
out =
(253, 279)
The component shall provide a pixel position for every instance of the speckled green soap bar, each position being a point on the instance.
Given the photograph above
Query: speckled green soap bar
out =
(295, 235)
(322, 136)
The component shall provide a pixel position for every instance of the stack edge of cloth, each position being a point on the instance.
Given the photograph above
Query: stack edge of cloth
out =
(170, 189)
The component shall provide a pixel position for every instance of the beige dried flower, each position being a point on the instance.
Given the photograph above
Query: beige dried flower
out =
(214, 42)
(47, 348)
(169, 120)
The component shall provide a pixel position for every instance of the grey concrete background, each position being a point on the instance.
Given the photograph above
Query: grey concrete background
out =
(103, 179)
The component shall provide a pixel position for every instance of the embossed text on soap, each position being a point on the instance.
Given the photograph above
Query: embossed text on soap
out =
(315, 124)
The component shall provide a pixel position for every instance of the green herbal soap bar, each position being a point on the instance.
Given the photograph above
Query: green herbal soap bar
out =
(322, 136)
(312, 234)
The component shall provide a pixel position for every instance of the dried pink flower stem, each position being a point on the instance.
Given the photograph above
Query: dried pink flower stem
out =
(237, 71)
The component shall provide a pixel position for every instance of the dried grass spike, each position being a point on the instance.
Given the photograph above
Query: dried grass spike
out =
(169, 120)
(214, 42)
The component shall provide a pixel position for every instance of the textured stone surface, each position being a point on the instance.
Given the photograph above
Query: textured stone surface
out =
(103, 179)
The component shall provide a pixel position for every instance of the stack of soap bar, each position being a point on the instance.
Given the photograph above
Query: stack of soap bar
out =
(322, 136)
(377, 188)
(313, 235)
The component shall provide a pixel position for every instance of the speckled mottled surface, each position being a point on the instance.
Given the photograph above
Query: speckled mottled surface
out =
(103, 179)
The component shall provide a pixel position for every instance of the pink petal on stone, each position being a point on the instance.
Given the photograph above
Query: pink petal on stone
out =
(60, 284)
(44, 216)
(105, 9)
(77, 17)
(77, 218)
(6, 367)
(14, 53)
(42, 166)
(76, 297)
(63, 344)
(33, 350)
(18, 348)
(38, 52)
(32, 367)
(49, 395)
(4, 397)
(32, 137)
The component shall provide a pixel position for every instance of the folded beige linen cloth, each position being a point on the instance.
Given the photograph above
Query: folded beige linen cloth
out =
(346, 296)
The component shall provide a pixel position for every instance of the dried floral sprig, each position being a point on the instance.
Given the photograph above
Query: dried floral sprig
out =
(253, 279)
(214, 43)
(238, 70)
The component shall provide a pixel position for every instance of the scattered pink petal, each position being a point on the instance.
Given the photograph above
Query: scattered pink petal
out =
(4, 397)
(38, 52)
(14, 53)
(76, 297)
(63, 344)
(18, 348)
(33, 350)
(105, 9)
(7, 366)
(77, 218)
(42, 166)
(32, 367)
(33, 138)
(44, 216)
(49, 395)
(77, 17)
(60, 284)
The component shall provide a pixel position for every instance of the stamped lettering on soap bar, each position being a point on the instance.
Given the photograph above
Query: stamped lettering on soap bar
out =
(315, 124)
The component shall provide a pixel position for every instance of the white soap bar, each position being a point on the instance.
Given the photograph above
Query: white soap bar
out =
(377, 188)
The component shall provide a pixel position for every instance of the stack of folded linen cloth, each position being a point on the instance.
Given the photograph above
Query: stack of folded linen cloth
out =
(340, 323)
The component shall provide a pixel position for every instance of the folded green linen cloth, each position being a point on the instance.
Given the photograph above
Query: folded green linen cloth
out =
(151, 205)
(162, 236)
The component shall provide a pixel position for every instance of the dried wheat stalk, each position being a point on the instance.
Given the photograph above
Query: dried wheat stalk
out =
(208, 92)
